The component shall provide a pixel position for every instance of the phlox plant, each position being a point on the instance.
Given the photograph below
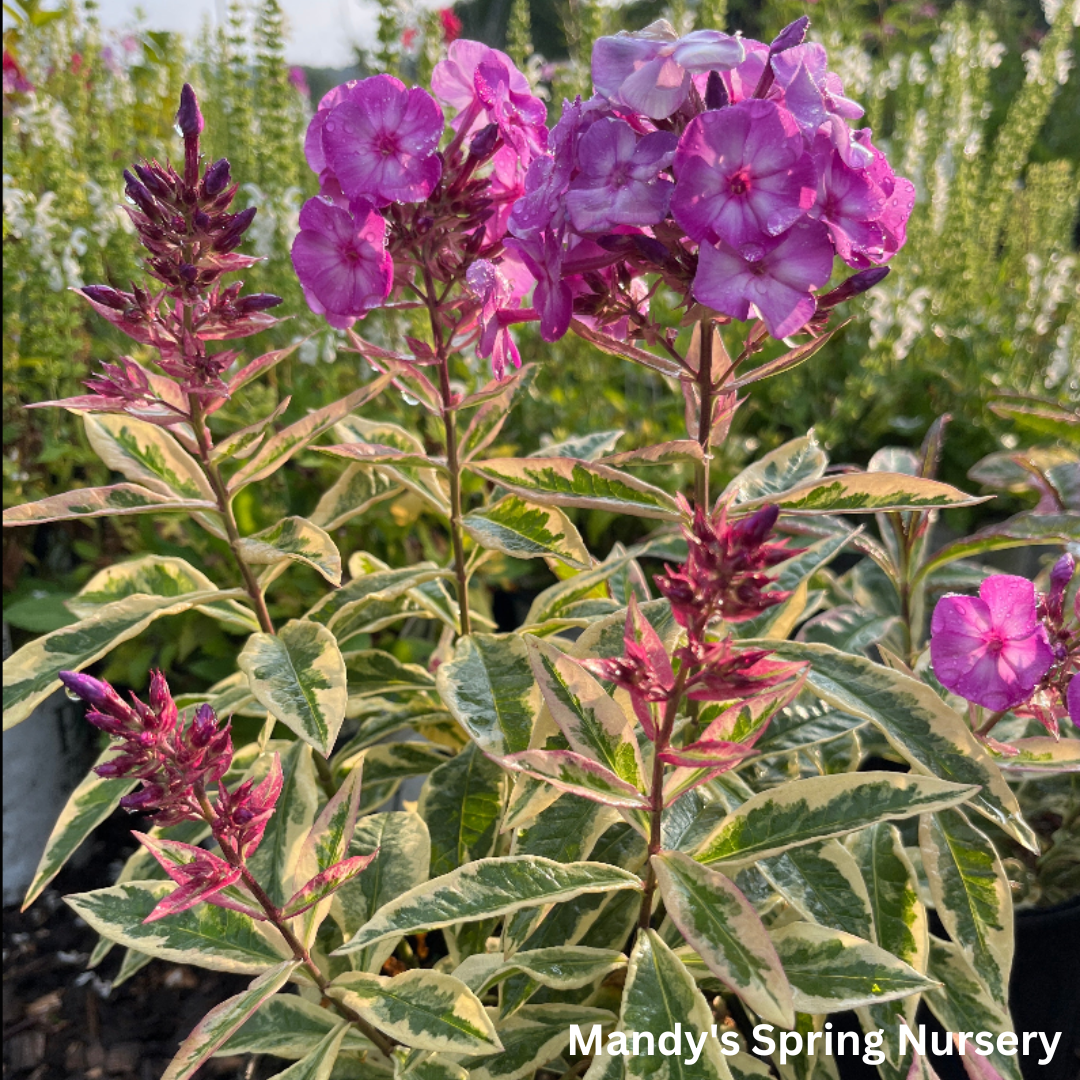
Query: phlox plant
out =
(654, 803)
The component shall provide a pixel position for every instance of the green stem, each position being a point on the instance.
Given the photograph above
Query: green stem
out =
(221, 494)
(991, 722)
(705, 403)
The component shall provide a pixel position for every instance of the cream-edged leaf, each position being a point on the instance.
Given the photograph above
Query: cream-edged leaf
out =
(119, 500)
(288, 1026)
(527, 530)
(866, 493)
(298, 540)
(579, 775)
(318, 1063)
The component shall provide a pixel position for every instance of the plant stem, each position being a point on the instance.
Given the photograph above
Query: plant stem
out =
(705, 413)
(991, 722)
(277, 920)
(221, 493)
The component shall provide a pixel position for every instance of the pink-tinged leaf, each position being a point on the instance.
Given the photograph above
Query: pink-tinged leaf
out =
(639, 631)
(574, 773)
(407, 377)
(975, 1065)
(237, 898)
(492, 389)
(253, 323)
(661, 454)
(174, 856)
(789, 360)
(745, 721)
(713, 752)
(323, 885)
(615, 347)
(377, 454)
(921, 1069)
(194, 892)
(118, 499)
(253, 368)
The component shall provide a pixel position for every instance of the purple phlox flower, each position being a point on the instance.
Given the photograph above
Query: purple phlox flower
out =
(199, 873)
(650, 71)
(1060, 576)
(242, 815)
(454, 83)
(778, 284)
(381, 141)
(313, 140)
(619, 180)
(811, 92)
(849, 203)
(898, 199)
(742, 80)
(499, 288)
(552, 297)
(521, 118)
(743, 174)
(990, 649)
(342, 261)
(506, 186)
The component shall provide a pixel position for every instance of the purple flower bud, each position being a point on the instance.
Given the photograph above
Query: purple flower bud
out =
(752, 531)
(483, 144)
(188, 273)
(1060, 577)
(853, 286)
(716, 92)
(235, 230)
(102, 294)
(793, 34)
(257, 302)
(203, 727)
(201, 221)
(109, 724)
(216, 179)
(161, 702)
(97, 694)
(188, 118)
(140, 195)
(146, 798)
(154, 181)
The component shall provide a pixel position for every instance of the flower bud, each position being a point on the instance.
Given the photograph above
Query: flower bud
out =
(1060, 577)
(102, 294)
(140, 195)
(483, 144)
(154, 181)
(235, 230)
(97, 694)
(257, 302)
(204, 726)
(793, 34)
(716, 92)
(188, 118)
(853, 286)
(216, 179)
(161, 702)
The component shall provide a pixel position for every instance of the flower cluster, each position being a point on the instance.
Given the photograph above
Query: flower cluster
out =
(722, 578)
(1012, 647)
(723, 166)
(184, 223)
(175, 762)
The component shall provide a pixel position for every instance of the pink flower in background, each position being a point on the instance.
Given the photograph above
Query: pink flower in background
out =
(991, 649)
(453, 82)
(778, 284)
(299, 80)
(451, 25)
(742, 173)
(380, 141)
(342, 261)
(650, 71)
(619, 182)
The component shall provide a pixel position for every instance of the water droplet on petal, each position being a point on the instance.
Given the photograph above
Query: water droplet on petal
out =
(409, 399)
(71, 695)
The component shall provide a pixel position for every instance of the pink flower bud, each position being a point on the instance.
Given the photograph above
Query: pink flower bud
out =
(188, 117)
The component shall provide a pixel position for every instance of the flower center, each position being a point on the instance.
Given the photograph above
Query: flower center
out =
(995, 643)
(387, 144)
(739, 184)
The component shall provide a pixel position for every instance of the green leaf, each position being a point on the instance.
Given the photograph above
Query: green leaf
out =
(274, 862)
(386, 766)
(526, 530)
(318, 1063)
(156, 575)
(148, 454)
(429, 1066)
(288, 1026)
(489, 688)
(244, 442)
(963, 1004)
(277, 450)
(586, 447)
(119, 500)
(831, 971)
(487, 421)
(423, 1009)
(803, 724)
(207, 936)
(563, 967)
(865, 493)
(727, 933)
(779, 470)
(1021, 530)
(297, 539)
(659, 994)
(972, 895)
(668, 453)
(805, 811)
(568, 482)
(578, 775)
(487, 888)
(581, 596)
(354, 492)
(849, 628)
(223, 1020)
(824, 884)
(918, 724)
(368, 586)
(1039, 755)
(299, 675)
(461, 802)
(31, 673)
(404, 853)
(373, 671)
(87, 807)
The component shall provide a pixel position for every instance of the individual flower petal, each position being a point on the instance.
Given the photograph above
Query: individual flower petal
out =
(1072, 700)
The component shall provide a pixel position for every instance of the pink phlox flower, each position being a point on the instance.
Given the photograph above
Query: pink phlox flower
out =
(199, 873)
(742, 172)
(454, 83)
(778, 285)
(522, 118)
(618, 181)
(990, 649)
(342, 261)
(650, 70)
(506, 186)
(242, 815)
(552, 297)
(849, 203)
(499, 288)
(811, 92)
(381, 140)
(898, 200)
(313, 139)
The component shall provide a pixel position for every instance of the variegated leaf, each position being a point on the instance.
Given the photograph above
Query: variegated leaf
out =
(487, 888)
(918, 724)
(244, 442)
(377, 454)
(866, 493)
(369, 585)
(288, 1026)
(806, 811)
(373, 671)
(118, 500)
(659, 994)
(564, 481)
(779, 470)
(224, 1020)
(425, 1065)
(594, 725)
(578, 598)
(87, 807)
(489, 688)
(668, 453)
(423, 1009)
(318, 1063)
(725, 930)
(353, 493)
(972, 895)
(296, 539)
(576, 774)
(1039, 755)
(206, 936)
(526, 530)
(831, 971)
(563, 967)
(31, 674)
(299, 675)
(387, 765)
